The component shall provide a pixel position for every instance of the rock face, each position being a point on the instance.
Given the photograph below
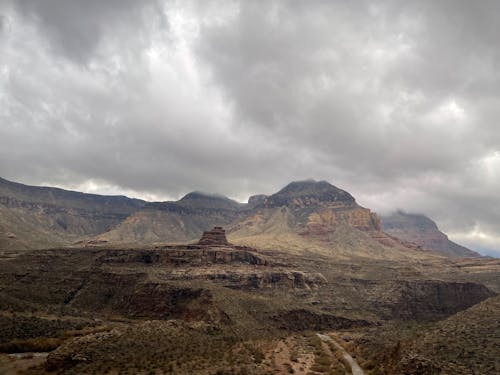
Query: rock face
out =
(256, 200)
(214, 237)
(423, 232)
(302, 320)
(425, 299)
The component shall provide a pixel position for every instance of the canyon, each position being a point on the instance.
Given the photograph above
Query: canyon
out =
(212, 286)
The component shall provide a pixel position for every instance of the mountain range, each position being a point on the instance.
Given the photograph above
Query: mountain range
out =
(100, 284)
(311, 215)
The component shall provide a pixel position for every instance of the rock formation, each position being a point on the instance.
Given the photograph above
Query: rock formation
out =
(214, 237)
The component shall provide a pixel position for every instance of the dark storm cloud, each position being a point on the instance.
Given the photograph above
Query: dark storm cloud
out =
(76, 28)
(397, 102)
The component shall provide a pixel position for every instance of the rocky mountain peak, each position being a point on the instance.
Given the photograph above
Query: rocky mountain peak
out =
(308, 193)
(257, 200)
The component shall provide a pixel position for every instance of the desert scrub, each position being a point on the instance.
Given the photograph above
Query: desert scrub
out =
(316, 343)
(332, 347)
(255, 352)
(322, 362)
(165, 345)
(39, 344)
(28, 327)
(368, 365)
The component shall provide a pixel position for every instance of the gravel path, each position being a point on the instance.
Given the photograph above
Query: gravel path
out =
(356, 370)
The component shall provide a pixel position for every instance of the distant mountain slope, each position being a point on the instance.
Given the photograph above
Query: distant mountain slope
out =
(424, 232)
(34, 217)
(176, 222)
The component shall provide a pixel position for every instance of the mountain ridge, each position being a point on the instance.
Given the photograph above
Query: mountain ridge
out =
(424, 232)
(41, 216)
(303, 214)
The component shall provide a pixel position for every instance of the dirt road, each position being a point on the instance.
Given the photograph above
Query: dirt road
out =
(355, 368)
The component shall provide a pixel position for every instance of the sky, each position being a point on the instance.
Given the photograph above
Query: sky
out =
(397, 102)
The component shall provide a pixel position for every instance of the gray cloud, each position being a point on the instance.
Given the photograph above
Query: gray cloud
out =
(396, 102)
(76, 28)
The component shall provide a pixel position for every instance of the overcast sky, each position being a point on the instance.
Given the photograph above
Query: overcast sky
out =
(397, 102)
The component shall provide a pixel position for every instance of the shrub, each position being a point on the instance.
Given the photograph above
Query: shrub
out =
(39, 344)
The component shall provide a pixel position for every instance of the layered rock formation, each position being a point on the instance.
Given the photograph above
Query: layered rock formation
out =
(313, 214)
(214, 237)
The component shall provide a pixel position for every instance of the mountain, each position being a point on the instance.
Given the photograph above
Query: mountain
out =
(313, 216)
(316, 216)
(424, 232)
(309, 193)
(175, 222)
(308, 208)
(36, 217)
(303, 216)
(314, 262)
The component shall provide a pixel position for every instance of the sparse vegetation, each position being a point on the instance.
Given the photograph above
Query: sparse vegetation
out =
(22, 327)
(92, 313)
(39, 344)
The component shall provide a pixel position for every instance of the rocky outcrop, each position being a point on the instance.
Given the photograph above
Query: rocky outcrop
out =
(302, 320)
(256, 200)
(192, 255)
(214, 237)
(263, 279)
(327, 219)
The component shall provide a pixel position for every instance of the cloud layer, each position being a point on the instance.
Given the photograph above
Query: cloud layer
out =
(397, 102)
